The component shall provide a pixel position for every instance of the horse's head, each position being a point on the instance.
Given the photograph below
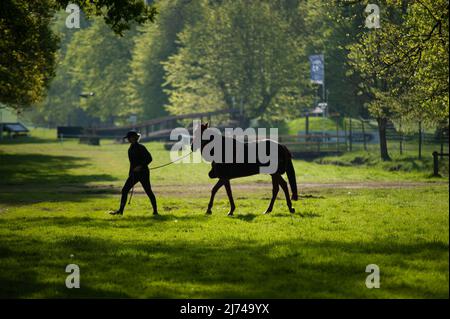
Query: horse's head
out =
(197, 134)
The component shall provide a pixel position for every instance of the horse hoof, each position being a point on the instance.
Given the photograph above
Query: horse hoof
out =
(292, 210)
(230, 214)
(208, 212)
(267, 212)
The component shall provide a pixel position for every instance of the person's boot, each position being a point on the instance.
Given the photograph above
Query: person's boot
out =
(117, 212)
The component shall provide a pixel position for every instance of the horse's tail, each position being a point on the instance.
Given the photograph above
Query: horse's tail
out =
(290, 171)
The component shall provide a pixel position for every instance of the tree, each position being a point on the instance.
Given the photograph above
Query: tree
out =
(332, 28)
(240, 55)
(99, 62)
(405, 63)
(91, 59)
(154, 44)
(29, 46)
(61, 105)
(28, 51)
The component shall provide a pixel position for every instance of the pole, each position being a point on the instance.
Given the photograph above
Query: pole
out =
(364, 135)
(323, 92)
(401, 139)
(323, 80)
(420, 139)
(307, 123)
(337, 133)
(435, 164)
(350, 135)
(345, 134)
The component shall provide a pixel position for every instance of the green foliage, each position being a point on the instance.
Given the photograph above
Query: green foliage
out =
(27, 48)
(29, 45)
(405, 62)
(120, 15)
(154, 44)
(98, 62)
(248, 55)
(332, 28)
(240, 54)
(54, 197)
(61, 103)
(92, 60)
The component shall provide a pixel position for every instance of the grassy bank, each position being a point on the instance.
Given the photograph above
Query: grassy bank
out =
(54, 197)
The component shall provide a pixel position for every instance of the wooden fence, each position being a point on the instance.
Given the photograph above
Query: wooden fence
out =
(159, 128)
(349, 135)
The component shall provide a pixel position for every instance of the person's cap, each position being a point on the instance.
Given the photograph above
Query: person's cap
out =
(131, 134)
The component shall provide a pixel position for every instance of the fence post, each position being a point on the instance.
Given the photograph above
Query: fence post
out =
(345, 134)
(401, 139)
(307, 123)
(436, 164)
(337, 134)
(420, 139)
(350, 135)
(364, 135)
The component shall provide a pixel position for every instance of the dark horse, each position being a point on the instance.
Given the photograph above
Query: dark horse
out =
(225, 171)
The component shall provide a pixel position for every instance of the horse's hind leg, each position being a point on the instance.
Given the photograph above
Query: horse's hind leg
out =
(230, 197)
(214, 190)
(275, 189)
(285, 189)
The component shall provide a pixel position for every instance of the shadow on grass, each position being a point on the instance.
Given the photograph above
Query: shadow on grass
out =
(310, 196)
(309, 214)
(45, 175)
(125, 221)
(209, 269)
(27, 140)
(246, 217)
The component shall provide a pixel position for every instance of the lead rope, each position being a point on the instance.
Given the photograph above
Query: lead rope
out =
(153, 168)
(171, 162)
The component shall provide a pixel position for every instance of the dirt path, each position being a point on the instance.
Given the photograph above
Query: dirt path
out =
(201, 190)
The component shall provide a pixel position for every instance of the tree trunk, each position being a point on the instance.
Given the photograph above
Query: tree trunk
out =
(382, 123)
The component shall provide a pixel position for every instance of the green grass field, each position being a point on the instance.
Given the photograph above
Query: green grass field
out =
(54, 198)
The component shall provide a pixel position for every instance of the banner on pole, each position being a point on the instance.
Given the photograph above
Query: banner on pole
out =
(317, 68)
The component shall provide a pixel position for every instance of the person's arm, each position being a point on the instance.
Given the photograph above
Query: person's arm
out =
(147, 157)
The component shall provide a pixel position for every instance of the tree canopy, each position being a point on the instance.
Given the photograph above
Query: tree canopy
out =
(242, 54)
(250, 55)
(405, 62)
(29, 45)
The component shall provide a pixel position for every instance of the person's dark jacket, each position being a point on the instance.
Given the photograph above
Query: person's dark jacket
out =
(139, 156)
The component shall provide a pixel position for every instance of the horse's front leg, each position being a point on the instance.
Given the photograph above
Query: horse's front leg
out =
(275, 189)
(214, 190)
(230, 197)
